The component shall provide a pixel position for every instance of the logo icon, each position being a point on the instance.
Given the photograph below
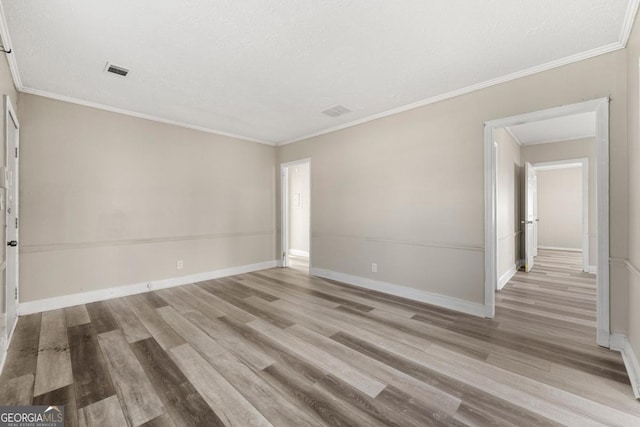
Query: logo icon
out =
(32, 416)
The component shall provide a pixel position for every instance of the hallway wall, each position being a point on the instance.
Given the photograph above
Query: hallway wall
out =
(632, 264)
(509, 204)
(560, 208)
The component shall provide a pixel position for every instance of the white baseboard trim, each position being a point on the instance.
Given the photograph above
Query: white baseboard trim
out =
(621, 343)
(138, 288)
(298, 252)
(593, 269)
(444, 301)
(556, 248)
(504, 279)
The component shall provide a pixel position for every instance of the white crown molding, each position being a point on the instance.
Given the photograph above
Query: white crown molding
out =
(444, 301)
(620, 44)
(138, 288)
(117, 110)
(612, 47)
(627, 24)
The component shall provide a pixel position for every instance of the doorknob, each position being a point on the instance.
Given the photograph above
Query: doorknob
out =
(12, 243)
(526, 222)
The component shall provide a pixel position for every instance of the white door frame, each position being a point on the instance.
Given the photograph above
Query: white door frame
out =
(284, 209)
(529, 218)
(601, 108)
(584, 163)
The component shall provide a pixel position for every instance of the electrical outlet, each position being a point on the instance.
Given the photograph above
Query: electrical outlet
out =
(374, 267)
(180, 264)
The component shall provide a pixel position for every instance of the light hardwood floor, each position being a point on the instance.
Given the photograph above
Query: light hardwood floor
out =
(280, 348)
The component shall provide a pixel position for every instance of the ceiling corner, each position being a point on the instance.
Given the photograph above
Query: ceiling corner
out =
(513, 135)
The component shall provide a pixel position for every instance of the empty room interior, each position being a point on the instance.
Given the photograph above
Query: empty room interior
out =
(320, 213)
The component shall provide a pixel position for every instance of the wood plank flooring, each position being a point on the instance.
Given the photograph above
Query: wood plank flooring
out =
(278, 347)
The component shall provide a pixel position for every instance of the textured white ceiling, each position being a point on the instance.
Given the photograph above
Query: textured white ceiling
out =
(265, 69)
(558, 129)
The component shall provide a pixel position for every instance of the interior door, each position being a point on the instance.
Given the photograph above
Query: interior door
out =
(530, 209)
(10, 202)
(534, 202)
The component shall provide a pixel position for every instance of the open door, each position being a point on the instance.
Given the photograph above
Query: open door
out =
(9, 202)
(531, 213)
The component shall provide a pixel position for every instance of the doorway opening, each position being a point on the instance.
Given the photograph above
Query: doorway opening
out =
(296, 214)
(572, 141)
(562, 197)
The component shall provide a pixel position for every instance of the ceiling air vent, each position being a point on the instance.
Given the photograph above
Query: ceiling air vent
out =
(116, 70)
(336, 110)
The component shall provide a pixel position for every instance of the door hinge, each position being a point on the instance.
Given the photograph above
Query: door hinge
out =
(16, 293)
(16, 152)
(16, 222)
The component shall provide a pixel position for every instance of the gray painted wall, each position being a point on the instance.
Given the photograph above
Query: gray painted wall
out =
(110, 200)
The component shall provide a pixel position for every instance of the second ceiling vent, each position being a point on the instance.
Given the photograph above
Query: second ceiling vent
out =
(336, 110)
(115, 69)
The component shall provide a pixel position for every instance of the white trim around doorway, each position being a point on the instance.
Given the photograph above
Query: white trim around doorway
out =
(601, 108)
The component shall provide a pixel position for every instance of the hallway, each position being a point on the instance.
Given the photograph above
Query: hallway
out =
(550, 316)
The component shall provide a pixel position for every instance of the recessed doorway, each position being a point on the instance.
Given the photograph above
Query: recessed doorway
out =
(296, 214)
(599, 111)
